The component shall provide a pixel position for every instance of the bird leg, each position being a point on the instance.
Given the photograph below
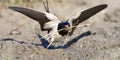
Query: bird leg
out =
(52, 39)
(45, 36)
(49, 37)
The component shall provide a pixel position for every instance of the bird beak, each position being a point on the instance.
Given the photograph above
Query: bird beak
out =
(67, 27)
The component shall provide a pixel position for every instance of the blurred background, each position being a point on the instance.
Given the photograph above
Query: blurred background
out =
(62, 8)
(103, 45)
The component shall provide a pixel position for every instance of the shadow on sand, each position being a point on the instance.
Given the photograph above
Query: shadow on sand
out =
(45, 43)
(20, 42)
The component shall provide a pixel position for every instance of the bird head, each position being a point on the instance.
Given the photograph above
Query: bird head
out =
(63, 28)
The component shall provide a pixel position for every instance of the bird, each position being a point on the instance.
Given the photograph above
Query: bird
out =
(56, 28)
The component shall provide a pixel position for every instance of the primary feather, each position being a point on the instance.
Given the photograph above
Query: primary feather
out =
(84, 15)
(41, 17)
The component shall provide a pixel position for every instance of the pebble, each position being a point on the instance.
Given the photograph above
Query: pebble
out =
(15, 32)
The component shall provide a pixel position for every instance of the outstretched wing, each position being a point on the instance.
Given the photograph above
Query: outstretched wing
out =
(41, 17)
(84, 15)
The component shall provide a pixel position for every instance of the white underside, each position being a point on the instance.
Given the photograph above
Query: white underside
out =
(54, 25)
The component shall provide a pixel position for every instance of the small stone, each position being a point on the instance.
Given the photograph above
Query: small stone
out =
(15, 32)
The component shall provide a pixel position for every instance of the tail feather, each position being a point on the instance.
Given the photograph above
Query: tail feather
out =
(45, 3)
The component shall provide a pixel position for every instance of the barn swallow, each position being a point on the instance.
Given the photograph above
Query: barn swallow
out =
(56, 28)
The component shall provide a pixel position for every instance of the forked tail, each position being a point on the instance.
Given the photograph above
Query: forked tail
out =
(46, 6)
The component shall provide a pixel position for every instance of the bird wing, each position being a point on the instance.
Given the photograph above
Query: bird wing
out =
(41, 17)
(84, 15)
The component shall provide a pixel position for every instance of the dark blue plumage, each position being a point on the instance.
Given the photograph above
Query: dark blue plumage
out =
(62, 26)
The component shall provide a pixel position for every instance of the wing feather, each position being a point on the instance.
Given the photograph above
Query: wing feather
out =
(41, 17)
(84, 15)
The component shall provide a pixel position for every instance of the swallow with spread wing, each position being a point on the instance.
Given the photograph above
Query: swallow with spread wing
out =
(56, 28)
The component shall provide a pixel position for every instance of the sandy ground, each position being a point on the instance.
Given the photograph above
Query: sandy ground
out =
(99, 41)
